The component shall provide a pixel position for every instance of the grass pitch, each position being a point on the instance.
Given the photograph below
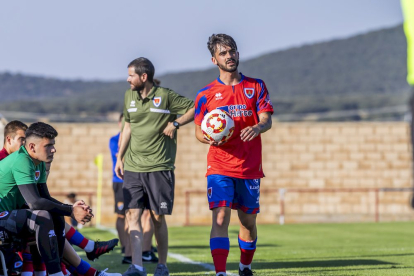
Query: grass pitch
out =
(300, 249)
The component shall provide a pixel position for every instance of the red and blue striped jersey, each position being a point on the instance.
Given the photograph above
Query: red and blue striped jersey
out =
(244, 102)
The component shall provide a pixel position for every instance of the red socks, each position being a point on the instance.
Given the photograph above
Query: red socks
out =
(220, 247)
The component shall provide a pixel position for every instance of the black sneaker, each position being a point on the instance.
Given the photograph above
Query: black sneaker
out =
(101, 248)
(246, 272)
(149, 257)
(127, 260)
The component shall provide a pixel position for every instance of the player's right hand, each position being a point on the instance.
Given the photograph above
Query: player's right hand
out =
(81, 215)
(119, 169)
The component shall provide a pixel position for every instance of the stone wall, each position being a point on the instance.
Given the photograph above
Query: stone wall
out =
(295, 155)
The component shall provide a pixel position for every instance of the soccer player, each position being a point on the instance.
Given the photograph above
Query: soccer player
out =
(234, 168)
(117, 184)
(14, 138)
(149, 133)
(23, 180)
(16, 184)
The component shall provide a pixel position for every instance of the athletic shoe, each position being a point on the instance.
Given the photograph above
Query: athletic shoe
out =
(133, 271)
(155, 250)
(149, 257)
(246, 272)
(104, 273)
(161, 270)
(127, 260)
(101, 248)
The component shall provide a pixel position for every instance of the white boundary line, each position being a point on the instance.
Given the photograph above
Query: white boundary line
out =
(178, 257)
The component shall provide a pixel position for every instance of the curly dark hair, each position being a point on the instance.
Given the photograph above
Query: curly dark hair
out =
(220, 39)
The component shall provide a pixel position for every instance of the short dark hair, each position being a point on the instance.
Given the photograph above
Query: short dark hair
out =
(143, 65)
(41, 130)
(12, 127)
(220, 39)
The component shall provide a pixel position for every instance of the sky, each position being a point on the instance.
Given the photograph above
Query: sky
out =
(96, 39)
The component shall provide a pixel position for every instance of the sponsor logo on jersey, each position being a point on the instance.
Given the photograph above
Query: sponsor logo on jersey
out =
(256, 181)
(257, 201)
(37, 175)
(3, 214)
(120, 205)
(132, 104)
(239, 110)
(210, 192)
(219, 96)
(156, 101)
(163, 205)
(52, 233)
(254, 187)
(249, 92)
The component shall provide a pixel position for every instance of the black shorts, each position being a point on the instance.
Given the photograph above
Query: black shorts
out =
(151, 190)
(119, 198)
(14, 226)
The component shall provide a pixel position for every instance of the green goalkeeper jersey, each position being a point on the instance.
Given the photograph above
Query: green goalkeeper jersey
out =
(18, 169)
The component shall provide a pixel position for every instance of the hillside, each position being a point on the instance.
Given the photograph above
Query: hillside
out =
(364, 71)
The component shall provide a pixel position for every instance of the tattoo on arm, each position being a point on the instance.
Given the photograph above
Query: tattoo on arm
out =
(265, 122)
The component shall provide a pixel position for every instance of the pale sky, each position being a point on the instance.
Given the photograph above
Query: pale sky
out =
(96, 39)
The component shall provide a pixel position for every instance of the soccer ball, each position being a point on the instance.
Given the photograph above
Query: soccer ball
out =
(217, 126)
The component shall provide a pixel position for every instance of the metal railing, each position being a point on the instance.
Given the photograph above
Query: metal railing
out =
(283, 191)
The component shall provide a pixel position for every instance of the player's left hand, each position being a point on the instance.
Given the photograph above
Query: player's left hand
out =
(249, 133)
(170, 130)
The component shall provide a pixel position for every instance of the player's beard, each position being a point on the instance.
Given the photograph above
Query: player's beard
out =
(138, 88)
(228, 68)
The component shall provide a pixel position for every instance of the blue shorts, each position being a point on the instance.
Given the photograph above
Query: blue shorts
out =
(235, 193)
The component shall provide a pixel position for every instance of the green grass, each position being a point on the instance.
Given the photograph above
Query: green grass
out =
(307, 249)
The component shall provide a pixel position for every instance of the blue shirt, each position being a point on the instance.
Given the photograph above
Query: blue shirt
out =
(113, 146)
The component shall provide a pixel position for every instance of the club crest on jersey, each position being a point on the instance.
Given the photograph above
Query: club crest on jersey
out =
(249, 92)
(18, 264)
(120, 205)
(156, 101)
(3, 214)
(37, 175)
(132, 104)
(210, 192)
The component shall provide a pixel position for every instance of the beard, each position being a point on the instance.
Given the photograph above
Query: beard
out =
(138, 88)
(229, 68)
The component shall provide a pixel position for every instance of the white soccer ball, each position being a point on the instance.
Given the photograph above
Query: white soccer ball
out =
(217, 126)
